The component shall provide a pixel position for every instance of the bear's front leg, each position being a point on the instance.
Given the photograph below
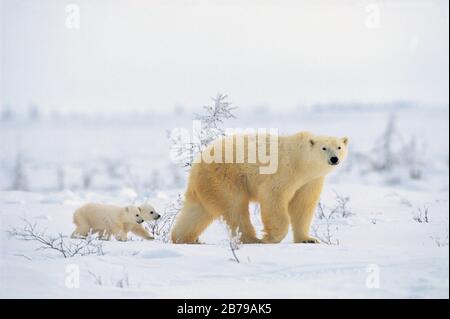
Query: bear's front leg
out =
(141, 232)
(301, 210)
(275, 217)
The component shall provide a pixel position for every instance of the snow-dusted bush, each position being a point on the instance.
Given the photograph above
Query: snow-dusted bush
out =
(121, 281)
(422, 215)
(161, 228)
(324, 230)
(233, 241)
(325, 227)
(65, 246)
(392, 151)
(213, 118)
(441, 241)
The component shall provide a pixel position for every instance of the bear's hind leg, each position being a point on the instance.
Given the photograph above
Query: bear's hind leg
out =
(191, 222)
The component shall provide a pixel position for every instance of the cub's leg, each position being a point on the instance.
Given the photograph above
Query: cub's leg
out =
(301, 210)
(121, 236)
(141, 232)
(118, 232)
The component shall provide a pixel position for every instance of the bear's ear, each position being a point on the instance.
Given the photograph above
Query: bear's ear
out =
(345, 140)
(312, 142)
(127, 209)
(140, 209)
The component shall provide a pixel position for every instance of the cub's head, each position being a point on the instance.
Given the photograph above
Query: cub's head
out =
(330, 151)
(142, 213)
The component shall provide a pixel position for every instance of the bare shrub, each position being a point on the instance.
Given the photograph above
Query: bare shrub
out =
(391, 151)
(233, 241)
(412, 158)
(441, 241)
(342, 208)
(215, 115)
(122, 282)
(59, 243)
(325, 229)
(98, 280)
(386, 158)
(161, 227)
(374, 218)
(422, 215)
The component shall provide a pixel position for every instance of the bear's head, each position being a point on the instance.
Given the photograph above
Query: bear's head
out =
(142, 213)
(331, 151)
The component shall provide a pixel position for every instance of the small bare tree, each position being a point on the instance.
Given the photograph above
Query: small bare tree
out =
(161, 228)
(374, 218)
(384, 147)
(215, 115)
(324, 230)
(233, 241)
(342, 205)
(441, 241)
(412, 157)
(59, 243)
(392, 151)
(213, 118)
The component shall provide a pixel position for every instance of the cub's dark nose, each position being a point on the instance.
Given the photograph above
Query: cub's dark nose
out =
(158, 216)
(334, 160)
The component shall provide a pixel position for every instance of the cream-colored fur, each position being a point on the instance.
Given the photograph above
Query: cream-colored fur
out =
(287, 197)
(107, 220)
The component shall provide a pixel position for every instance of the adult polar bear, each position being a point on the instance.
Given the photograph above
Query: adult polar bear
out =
(288, 196)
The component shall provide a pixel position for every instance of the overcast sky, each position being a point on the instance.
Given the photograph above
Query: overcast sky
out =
(154, 55)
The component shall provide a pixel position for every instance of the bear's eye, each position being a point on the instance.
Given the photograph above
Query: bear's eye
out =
(151, 212)
(339, 147)
(324, 148)
(137, 215)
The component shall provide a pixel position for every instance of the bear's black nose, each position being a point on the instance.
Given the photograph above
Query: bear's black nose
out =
(334, 160)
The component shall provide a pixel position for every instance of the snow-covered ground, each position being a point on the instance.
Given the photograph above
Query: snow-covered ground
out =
(383, 249)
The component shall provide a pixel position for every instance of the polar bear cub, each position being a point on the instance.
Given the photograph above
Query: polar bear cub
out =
(107, 220)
